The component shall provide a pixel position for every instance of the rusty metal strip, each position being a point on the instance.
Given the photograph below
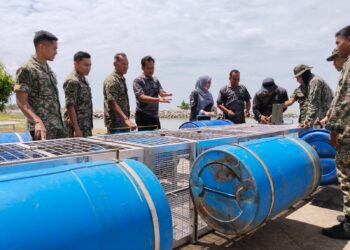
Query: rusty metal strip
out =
(268, 176)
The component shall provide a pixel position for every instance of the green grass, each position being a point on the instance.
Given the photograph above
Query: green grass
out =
(12, 116)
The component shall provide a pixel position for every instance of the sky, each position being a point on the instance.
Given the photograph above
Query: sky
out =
(260, 38)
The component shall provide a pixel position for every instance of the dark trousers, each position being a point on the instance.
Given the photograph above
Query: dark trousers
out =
(146, 122)
(51, 134)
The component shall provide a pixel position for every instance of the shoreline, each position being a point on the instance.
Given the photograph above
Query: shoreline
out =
(179, 114)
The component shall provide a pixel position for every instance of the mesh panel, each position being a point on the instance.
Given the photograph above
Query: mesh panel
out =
(12, 152)
(71, 146)
(151, 139)
(180, 210)
(173, 169)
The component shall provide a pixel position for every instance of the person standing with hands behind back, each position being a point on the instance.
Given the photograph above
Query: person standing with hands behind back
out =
(149, 93)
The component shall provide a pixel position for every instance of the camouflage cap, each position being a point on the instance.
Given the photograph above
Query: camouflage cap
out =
(300, 69)
(335, 53)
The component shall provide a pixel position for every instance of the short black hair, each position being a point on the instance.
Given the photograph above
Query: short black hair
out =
(118, 55)
(80, 55)
(344, 32)
(146, 59)
(234, 71)
(43, 36)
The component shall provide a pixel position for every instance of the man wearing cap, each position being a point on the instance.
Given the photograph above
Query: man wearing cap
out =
(36, 90)
(234, 99)
(264, 99)
(339, 125)
(78, 113)
(319, 94)
(338, 63)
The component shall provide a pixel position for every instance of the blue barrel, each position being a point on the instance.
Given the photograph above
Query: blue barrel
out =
(236, 188)
(89, 205)
(206, 123)
(329, 172)
(319, 139)
(12, 137)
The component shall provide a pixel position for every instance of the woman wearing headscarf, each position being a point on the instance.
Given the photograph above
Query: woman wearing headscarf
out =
(201, 100)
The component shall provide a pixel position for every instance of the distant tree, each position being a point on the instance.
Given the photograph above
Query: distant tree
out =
(6, 87)
(184, 106)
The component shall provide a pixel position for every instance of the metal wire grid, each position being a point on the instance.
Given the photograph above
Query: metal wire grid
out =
(151, 139)
(71, 146)
(13, 152)
(173, 169)
(180, 203)
(195, 135)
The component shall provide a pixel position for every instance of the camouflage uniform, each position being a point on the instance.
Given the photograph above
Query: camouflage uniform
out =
(78, 94)
(39, 82)
(115, 89)
(319, 99)
(339, 122)
(300, 95)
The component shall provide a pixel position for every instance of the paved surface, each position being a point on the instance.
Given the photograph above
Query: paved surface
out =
(300, 229)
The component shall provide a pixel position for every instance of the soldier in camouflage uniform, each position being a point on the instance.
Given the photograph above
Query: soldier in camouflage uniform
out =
(339, 125)
(338, 63)
(78, 114)
(116, 99)
(299, 95)
(319, 94)
(36, 90)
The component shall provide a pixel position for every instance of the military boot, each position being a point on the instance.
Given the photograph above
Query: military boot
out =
(340, 231)
(341, 218)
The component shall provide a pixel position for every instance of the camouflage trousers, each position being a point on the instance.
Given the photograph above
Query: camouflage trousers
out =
(342, 159)
(52, 133)
(70, 131)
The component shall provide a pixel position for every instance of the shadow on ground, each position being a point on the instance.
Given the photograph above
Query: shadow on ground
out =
(298, 230)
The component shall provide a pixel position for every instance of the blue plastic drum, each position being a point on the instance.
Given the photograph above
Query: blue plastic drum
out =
(96, 205)
(12, 137)
(205, 123)
(236, 188)
(319, 139)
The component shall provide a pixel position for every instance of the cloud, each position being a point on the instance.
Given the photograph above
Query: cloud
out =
(260, 37)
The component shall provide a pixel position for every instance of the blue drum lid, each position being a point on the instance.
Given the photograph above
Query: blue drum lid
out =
(320, 141)
(223, 191)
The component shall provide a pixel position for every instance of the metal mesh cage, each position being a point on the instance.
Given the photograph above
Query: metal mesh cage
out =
(180, 203)
(144, 138)
(13, 152)
(71, 146)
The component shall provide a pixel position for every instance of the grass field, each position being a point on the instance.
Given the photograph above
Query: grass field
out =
(14, 117)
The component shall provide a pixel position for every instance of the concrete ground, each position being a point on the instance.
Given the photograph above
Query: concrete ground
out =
(300, 229)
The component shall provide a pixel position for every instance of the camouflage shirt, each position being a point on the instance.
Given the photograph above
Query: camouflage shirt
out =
(319, 99)
(339, 120)
(78, 94)
(39, 82)
(300, 95)
(115, 89)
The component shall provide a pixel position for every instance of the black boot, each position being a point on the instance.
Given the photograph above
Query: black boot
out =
(340, 231)
(341, 218)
